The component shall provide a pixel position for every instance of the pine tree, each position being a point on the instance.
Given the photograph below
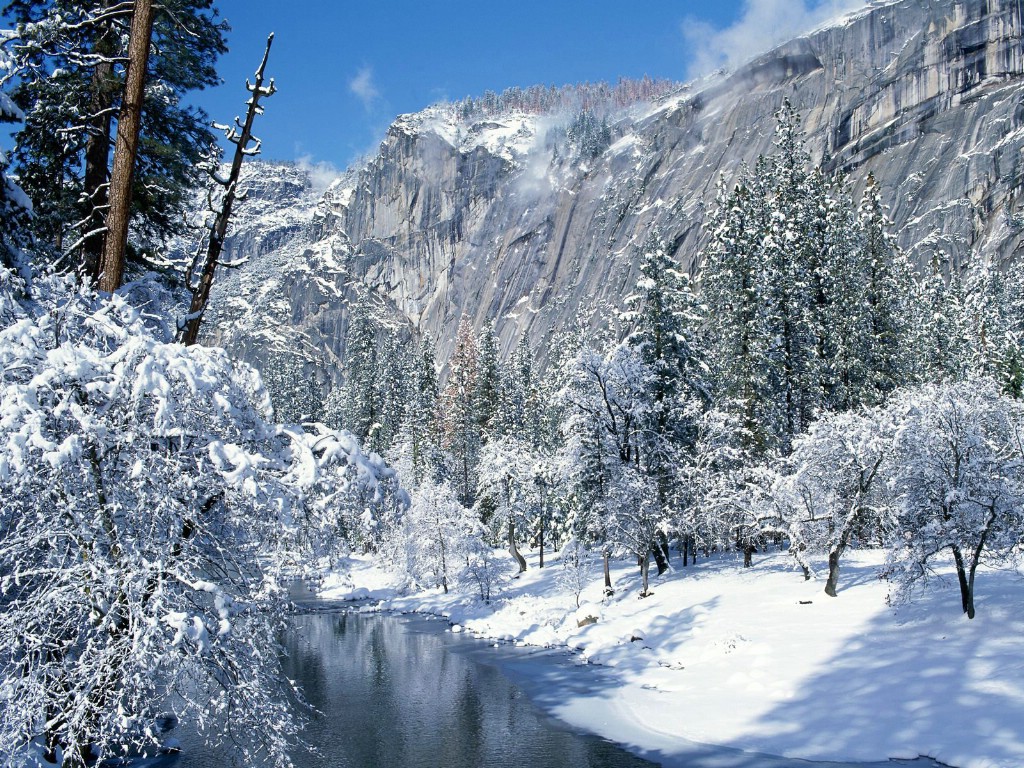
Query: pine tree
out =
(421, 415)
(488, 395)
(70, 59)
(942, 330)
(888, 281)
(361, 401)
(460, 427)
(665, 312)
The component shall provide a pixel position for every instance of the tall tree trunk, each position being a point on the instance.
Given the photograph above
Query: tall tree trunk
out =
(686, 551)
(512, 548)
(97, 152)
(126, 148)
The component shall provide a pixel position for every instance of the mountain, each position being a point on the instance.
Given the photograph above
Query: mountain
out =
(501, 216)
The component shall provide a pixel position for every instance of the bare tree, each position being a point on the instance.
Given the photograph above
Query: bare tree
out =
(239, 134)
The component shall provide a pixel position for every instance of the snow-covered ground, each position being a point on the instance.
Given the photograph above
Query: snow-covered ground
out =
(758, 659)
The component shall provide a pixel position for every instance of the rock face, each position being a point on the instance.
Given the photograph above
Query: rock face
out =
(495, 219)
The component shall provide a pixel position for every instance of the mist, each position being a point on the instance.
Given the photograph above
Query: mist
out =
(762, 25)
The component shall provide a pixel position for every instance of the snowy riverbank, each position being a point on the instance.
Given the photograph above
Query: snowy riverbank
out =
(757, 659)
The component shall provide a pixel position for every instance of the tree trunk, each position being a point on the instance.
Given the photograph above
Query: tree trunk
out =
(541, 540)
(966, 599)
(833, 573)
(661, 552)
(219, 230)
(748, 555)
(686, 551)
(645, 571)
(126, 148)
(608, 589)
(97, 153)
(833, 563)
(513, 549)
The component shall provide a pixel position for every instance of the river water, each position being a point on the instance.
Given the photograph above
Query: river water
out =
(400, 692)
(397, 692)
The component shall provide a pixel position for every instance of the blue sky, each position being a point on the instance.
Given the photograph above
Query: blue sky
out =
(346, 68)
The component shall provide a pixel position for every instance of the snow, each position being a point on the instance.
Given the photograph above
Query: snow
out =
(759, 660)
(511, 137)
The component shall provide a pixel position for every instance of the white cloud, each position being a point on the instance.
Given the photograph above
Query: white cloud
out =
(763, 24)
(321, 174)
(363, 87)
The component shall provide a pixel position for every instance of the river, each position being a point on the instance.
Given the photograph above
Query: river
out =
(398, 692)
(401, 692)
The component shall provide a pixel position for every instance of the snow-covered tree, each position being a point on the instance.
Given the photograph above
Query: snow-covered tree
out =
(838, 481)
(460, 430)
(440, 535)
(505, 485)
(348, 500)
(959, 480)
(488, 397)
(141, 489)
(808, 298)
(942, 333)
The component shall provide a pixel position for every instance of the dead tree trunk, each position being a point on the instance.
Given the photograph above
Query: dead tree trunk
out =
(129, 122)
(240, 134)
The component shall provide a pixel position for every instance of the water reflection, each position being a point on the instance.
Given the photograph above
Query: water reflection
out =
(391, 697)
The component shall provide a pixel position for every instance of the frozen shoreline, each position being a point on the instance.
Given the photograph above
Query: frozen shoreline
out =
(772, 665)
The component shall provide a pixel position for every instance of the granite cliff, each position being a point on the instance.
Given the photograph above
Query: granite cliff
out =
(496, 219)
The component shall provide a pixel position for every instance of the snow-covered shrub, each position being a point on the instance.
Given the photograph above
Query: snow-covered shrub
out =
(348, 499)
(139, 487)
(577, 562)
(483, 569)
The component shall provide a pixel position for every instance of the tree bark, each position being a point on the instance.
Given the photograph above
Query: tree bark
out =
(513, 549)
(97, 153)
(748, 555)
(833, 573)
(126, 148)
(661, 552)
(645, 572)
(608, 589)
(541, 538)
(966, 598)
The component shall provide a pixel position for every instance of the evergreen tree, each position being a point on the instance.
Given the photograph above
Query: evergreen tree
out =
(665, 313)
(460, 428)
(361, 400)
(809, 296)
(488, 395)
(70, 57)
(888, 283)
(421, 415)
(941, 341)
